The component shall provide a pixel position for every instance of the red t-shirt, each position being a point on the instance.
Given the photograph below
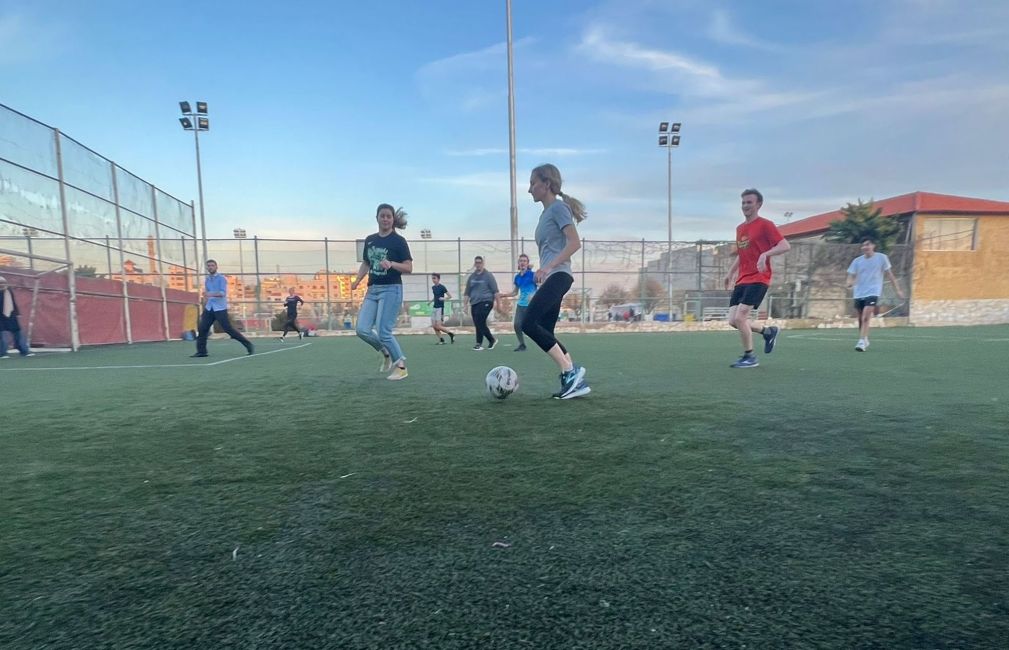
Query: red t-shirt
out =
(752, 239)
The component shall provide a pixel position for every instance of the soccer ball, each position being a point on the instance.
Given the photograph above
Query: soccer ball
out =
(502, 381)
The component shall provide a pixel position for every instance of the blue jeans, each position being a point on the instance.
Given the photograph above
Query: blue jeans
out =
(378, 316)
(19, 342)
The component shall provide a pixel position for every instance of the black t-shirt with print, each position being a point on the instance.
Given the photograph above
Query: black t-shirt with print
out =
(392, 247)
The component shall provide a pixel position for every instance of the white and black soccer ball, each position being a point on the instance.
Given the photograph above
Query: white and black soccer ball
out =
(502, 381)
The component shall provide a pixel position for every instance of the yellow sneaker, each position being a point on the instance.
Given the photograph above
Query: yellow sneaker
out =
(397, 374)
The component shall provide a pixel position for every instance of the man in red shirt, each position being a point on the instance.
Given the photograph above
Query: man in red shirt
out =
(757, 241)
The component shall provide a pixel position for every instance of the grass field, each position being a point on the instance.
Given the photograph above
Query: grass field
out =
(297, 499)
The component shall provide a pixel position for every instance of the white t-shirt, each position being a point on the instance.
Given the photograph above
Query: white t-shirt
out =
(868, 272)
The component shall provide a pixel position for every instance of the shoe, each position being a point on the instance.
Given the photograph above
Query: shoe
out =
(451, 337)
(492, 345)
(440, 342)
(397, 374)
(746, 361)
(30, 354)
(280, 338)
(571, 381)
(7, 356)
(521, 348)
(861, 345)
(250, 349)
(478, 347)
(770, 336)
(582, 390)
(386, 363)
(198, 355)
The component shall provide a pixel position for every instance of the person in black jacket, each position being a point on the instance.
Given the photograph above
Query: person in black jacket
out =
(9, 323)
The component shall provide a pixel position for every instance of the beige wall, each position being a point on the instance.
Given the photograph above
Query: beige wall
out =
(980, 274)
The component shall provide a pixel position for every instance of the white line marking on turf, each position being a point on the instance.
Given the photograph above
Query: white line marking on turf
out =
(152, 366)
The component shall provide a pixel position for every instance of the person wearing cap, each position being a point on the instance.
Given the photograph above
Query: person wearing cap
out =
(9, 323)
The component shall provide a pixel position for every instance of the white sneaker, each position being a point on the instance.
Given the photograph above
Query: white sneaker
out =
(386, 364)
(6, 356)
(861, 345)
(397, 374)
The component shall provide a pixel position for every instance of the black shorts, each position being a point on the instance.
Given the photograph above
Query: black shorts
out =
(868, 301)
(748, 294)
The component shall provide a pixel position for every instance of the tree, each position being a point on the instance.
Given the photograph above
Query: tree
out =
(86, 272)
(573, 303)
(649, 291)
(613, 294)
(864, 221)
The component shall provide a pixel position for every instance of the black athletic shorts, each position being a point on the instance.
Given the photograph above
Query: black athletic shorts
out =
(868, 301)
(748, 294)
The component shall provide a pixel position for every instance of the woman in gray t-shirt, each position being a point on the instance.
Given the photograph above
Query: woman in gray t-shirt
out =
(557, 240)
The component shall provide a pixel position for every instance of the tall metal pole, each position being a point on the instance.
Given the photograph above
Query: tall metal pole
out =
(199, 184)
(75, 336)
(514, 212)
(241, 269)
(669, 234)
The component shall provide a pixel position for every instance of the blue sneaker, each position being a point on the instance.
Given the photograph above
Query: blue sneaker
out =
(570, 382)
(770, 336)
(746, 361)
(582, 390)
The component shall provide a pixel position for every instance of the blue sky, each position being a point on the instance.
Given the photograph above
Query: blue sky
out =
(322, 110)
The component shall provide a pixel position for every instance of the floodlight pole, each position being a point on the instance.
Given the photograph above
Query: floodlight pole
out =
(669, 137)
(513, 211)
(199, 185)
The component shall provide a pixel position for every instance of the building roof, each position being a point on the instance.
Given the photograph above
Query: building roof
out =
(918, 202)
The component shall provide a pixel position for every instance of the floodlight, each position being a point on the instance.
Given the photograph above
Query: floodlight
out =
(187, 123)
(203, 123)
(675, 142)
(201, 108)
(186, 110)
(663, 140)
(663, 127)
(675, 128)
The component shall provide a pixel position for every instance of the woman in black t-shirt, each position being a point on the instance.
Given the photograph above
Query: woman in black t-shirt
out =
(386, 258)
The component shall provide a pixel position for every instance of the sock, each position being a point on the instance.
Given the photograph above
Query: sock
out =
(748, 352)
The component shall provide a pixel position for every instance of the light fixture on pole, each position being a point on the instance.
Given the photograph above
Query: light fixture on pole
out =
(669, 137)
(197, 122)
(240, 235)
(788, 216)
(425, 234)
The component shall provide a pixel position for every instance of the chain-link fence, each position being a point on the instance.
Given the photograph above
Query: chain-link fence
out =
(67, 214)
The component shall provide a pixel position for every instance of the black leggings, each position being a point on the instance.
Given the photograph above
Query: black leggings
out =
(481, 311)
(291, 324)
(541, 315)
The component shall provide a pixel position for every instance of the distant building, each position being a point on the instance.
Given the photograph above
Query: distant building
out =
(958, 253)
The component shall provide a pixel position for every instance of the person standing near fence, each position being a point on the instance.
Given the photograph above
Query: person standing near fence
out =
(524, 287)
(215, 292)
(557, 240)
(291, 305)
(757, 241)
(386, 258)
(9, 323)
(440, 293)
(865, 279)
(482, 294)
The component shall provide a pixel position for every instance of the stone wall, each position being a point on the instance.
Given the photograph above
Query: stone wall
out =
(959, 312)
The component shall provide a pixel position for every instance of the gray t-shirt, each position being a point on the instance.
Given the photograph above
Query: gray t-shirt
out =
(550, 238)
(481, 287)
(868, 272)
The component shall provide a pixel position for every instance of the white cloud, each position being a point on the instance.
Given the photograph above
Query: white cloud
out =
(721, 29)
(469, 81)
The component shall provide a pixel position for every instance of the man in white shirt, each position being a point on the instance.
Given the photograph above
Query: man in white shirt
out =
(865, 278)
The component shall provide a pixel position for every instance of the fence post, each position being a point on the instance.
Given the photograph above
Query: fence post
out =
(31, 253)
(259, 282)
(198, 284)
(75, 335)
(582, 315)
(642, 276)
(108, 255)
(329, 306)
(458, 276)
(122, 258)
(161, 268)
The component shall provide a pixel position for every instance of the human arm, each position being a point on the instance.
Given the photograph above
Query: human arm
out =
(361, 272)
(781, 247)
(403, 267)
(896, 285)
(851, 280)
(730, 277)
(571, 246)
